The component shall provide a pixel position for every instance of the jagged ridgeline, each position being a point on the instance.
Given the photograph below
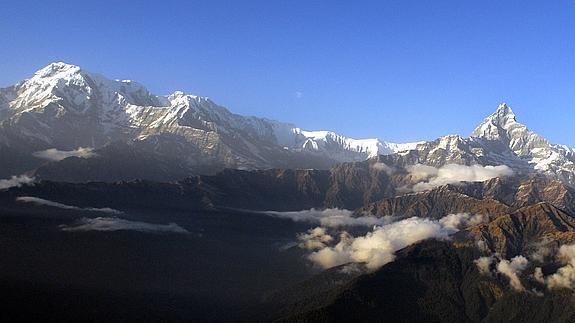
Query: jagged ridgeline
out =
(64, 107)
(65, 123)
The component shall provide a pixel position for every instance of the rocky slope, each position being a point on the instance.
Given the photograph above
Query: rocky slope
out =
(429, 282)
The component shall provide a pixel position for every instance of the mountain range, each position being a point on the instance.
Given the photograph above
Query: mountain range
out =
(65, 123)
(120, 205)
(64, 107)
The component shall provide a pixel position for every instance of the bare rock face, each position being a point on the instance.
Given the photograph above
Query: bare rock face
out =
(435, 204)
(519, 232)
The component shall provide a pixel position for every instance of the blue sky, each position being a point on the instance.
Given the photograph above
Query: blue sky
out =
(400, 70)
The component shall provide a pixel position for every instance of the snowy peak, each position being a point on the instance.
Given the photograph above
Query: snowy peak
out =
(64, 106)
(502, 127)
(498, 124)
(57, 70)
(75, 89)
(503, 117)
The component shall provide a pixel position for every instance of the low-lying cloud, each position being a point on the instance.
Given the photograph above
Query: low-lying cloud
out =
(564, 277)
(332, 218)
(15, 181)
(511, 269)
(39, 201)
(382, 167)
(118, 224)
(54, 154)
(428, 177)
(484, 264)
(314, 239)
(378, 247)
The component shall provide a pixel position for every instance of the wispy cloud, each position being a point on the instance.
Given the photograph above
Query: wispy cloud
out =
(331, 217)
(57, 155)
(117, 224)
(15, 181)
(382, 167)
(428, 177)
(39, 201)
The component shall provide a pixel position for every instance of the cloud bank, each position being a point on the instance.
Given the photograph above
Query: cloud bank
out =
(117, 224)
(428, 177)
(15, 181)
(54, 154)
(377, 247)
(39, 201)
(332, 218)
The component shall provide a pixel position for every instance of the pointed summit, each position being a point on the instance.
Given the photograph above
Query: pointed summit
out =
(503, 115)
(502, 126)
(498, 124)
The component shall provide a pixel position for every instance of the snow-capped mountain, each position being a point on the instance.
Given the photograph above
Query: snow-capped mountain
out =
(502, 128)
(128, 132)
(64, 107)
(498, 140)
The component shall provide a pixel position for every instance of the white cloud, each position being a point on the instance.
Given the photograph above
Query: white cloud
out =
(314, 239)
(458, 220)
(543, 250)
(382, 167)
(428, 177)
(15, 181)
(378, 246)
(509, 268)
(565, 276)
(39, 201)
(512, 269)
(116, 224)
(331, 217)
(57, 155)
(484, 264)
(298, 94)
(421, 172)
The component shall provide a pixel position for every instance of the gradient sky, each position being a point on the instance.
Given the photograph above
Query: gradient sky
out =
(400, 70)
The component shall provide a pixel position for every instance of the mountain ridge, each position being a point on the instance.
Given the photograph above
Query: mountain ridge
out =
(64, 107)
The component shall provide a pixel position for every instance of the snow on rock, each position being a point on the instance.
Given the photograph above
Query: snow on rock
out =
(101, 110)
(62, 106)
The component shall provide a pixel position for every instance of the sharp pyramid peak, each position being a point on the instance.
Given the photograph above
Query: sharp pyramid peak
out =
(503, 119)
(503, 112)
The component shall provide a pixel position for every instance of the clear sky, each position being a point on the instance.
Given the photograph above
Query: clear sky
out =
(399, 70)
